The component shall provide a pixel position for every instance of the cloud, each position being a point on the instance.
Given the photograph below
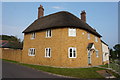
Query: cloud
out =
(57, 7)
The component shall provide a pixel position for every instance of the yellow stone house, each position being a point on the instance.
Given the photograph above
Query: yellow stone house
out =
(61, 40)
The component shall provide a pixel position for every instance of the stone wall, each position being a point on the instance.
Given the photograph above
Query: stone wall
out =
(11, 54)
(59, 44)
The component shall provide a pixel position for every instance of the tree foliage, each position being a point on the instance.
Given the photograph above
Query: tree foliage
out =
(115, 54)
(9, 38)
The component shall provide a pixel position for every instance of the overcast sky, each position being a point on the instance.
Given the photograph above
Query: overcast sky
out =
(101, 16)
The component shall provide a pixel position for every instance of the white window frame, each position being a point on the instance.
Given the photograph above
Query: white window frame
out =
(47, 53)
(31, 54)
(33, 35)
(88, 35)
(48, 33)
(70, 32)
(73, 48)
(97, 53)
(96, 39)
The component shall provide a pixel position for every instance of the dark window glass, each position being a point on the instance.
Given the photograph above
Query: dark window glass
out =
(70, 52)
(49, 52)
(46, 52)
(49, 32)
(34, 52)
(74, 53)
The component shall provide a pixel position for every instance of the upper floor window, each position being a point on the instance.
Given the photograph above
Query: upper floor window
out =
(72, 52)
(96, 39)
(48, 33)
(48, 52)
(31, 52)
(88, 35)
(72, 32)
(33, 35)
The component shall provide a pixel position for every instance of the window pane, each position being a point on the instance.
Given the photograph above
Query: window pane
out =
(72, 32)
(30, 51)
(70, 54)
(46, 52)
(70, 50)
(49, 33)
(74, 53)
(33, 51)
(33, 35)
(49, 52)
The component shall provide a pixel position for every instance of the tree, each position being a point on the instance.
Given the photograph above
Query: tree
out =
(9, 38)
(117, 50)
(112, 54)
(115, 54)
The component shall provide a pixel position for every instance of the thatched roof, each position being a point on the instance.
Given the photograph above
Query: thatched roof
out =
(59, 20)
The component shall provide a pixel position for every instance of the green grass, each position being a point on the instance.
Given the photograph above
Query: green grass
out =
(72, 72)
(106, 65)
(10, 61)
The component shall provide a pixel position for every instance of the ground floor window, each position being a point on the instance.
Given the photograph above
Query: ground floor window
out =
(31, 52)
(96, 53)
(48, 52)
(72, 52)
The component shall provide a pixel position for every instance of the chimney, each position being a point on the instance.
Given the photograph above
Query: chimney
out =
(40, 11)
(83, 16)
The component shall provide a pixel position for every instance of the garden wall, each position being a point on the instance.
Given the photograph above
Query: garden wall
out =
(11, 54)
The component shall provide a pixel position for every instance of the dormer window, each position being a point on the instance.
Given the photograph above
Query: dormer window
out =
(48, 33)
(33, 35)
(72, 32)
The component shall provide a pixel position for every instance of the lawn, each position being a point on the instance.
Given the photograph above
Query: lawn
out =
(72, 72)
(106, 65)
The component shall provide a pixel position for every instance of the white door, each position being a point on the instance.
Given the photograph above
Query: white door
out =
(89, 58)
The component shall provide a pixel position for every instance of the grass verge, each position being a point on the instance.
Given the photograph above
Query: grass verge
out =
(106, 65)
(72, 72)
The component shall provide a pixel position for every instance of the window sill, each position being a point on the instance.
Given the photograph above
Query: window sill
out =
(97, 56)
(47, 37)
(72, 57)
(71, 36)
(32, 38)
(47, 57)
(31, 55)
